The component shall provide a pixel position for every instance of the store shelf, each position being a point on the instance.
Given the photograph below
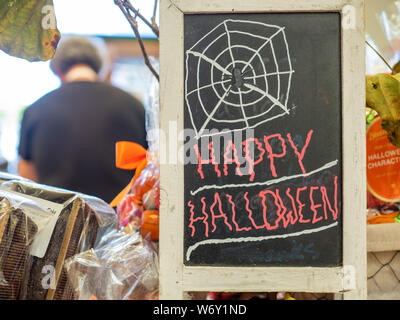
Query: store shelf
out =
(383, 237)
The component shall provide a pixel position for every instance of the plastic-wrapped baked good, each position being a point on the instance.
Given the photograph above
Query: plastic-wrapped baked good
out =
(17, 232)
(75, 222)
(121, 267)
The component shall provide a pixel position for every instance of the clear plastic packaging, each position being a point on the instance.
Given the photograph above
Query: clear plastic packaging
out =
(143, 195)
(138, 210)
(17, 232)
(4, 176)
(153, 116)
(67, 223)
(121, 267)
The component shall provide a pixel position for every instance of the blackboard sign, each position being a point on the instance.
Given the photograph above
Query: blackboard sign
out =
(263, 120)
(262, 147)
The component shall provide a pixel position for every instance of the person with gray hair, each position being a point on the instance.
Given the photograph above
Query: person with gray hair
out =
(68, 136)
(76, 56)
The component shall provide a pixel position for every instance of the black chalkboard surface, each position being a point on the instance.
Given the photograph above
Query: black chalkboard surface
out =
(263, 171)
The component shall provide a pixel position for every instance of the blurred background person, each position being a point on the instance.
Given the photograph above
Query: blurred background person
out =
(68, 136)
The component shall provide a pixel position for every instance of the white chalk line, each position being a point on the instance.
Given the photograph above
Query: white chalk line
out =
(241, 104)
(268, 182)
(232, 91)
(235, 21)
(265, 43)
(290, 68)
(208, 86)
(255, 239)
(212, 113)
(227, 68)
(246, 65)
(244, 128)
(219, 67)
(210, 61)
(198, 79)
(213, 62)
(198, 74)
(269, 74)
(277, 69)
(262, 114)
(229, 43)
(266, 94)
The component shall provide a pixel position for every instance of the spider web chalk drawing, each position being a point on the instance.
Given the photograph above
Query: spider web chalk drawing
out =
(238, 76)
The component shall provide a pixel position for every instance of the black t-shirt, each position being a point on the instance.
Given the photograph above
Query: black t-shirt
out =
(70, 135)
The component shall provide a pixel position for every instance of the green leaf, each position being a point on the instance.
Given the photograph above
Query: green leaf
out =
(383, 96)
(28, 29)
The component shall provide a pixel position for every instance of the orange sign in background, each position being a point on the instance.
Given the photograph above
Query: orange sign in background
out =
(383, 164)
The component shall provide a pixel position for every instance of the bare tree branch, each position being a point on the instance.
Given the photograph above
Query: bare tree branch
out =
(132, 21)
(153, 18)
(152, 25)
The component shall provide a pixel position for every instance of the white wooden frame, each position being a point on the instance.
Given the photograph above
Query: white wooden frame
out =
(175, 278)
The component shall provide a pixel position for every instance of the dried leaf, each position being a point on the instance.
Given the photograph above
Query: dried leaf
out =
(393, 131)
(28, 29)
(396, 68)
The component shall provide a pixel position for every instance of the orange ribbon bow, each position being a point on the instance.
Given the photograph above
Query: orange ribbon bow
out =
(129, 156)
